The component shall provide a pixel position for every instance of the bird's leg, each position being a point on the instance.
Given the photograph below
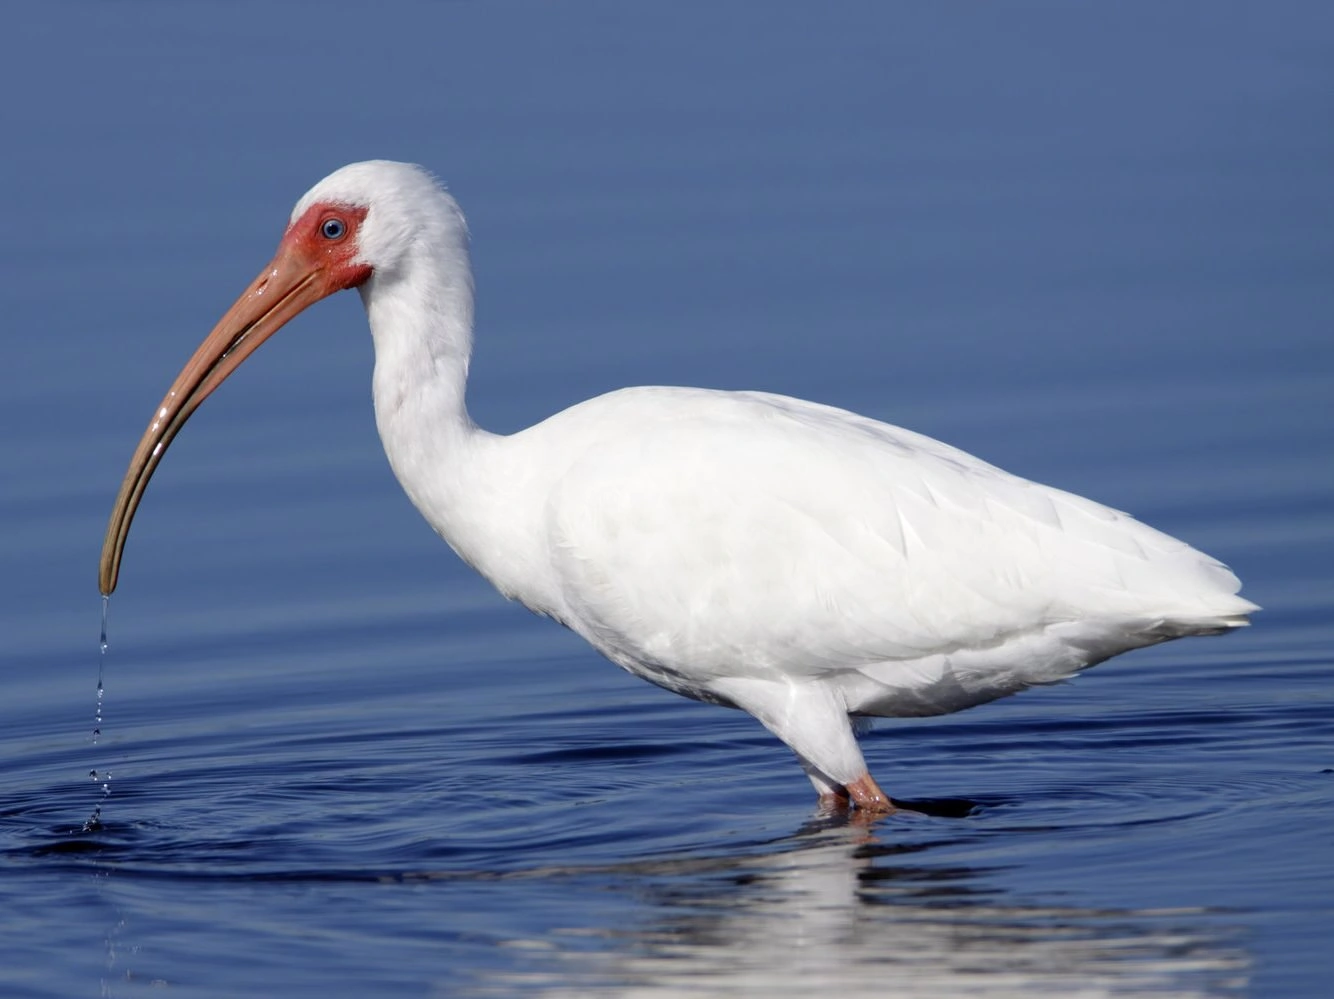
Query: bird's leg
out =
(833, 796)
(834, 801)
(864, 793)
(868, 797)
(813, 720)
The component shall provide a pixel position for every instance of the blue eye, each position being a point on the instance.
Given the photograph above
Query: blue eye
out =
(333, 228)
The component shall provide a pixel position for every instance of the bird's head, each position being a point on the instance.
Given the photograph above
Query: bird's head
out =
(354, 229)
(364, 220)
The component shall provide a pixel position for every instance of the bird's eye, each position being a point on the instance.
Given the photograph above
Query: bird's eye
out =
(333, 228)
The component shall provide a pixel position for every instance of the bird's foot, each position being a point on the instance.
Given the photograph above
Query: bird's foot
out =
(864, 793)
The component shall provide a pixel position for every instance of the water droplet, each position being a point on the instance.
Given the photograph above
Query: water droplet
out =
(95, 820)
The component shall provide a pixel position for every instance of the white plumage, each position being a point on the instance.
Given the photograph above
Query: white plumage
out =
(794, 560)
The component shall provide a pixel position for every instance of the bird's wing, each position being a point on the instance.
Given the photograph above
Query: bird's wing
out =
(745, 532)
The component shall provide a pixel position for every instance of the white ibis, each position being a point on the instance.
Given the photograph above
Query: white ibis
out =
(796, 561)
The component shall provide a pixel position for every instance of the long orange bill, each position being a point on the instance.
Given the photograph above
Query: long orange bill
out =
(290, 283)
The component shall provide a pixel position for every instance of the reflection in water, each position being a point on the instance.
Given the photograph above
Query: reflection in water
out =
(836, 912)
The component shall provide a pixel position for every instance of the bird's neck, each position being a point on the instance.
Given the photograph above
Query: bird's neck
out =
(421, 321)
(455, 473)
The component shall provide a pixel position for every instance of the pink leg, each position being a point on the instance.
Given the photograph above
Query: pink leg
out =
(868, 797)
(834, 801)
(863, 792)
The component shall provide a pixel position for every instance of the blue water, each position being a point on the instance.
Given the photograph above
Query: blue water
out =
(1090, 243)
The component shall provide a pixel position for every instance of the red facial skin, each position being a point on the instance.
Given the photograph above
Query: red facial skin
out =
(305, 240)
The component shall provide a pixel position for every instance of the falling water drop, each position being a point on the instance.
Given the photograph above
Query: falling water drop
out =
(101, 670)
(94, 821)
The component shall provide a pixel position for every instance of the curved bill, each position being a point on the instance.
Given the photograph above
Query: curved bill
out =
(285, 287)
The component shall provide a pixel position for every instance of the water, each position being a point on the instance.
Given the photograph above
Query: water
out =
(1090, 244)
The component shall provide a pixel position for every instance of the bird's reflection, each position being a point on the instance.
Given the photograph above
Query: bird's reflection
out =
(840, 909)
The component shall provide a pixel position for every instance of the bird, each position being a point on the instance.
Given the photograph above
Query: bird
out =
(807, 565)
